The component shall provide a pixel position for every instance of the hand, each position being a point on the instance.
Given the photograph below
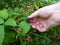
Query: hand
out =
(45, 17)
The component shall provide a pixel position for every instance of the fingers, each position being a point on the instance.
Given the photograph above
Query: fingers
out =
(33, 25)
(40, 26)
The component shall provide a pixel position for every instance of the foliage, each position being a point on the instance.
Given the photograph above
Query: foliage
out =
(25, 26)
(1, 21)
(10, 22)
(14, 30)
(1, 34)
(3, 14)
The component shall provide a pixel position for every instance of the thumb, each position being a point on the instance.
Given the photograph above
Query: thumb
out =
(42, 12)
(34, 14)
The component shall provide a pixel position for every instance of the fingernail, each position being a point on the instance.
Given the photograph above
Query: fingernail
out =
(28, 16)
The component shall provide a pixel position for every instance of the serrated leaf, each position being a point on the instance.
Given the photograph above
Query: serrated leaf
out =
(4, 14)
(1, 34)
(1, 21)
(11, 22)
(25, 26)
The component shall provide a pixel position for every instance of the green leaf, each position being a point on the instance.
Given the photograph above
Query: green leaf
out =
(43, 42)
(25, 14)
(46, 42)
(9, 36)
(46, 0)
(16, 9)
(36, 7)
(1, 34)
(24, 43)
(1, 21)
(25, 26)
(4, 14)
(11, 22)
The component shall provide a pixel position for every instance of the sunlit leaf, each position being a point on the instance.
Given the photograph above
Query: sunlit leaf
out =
(36, 7)
(46, 0)
(4, 14)
(25, 14)
(10, 22)
(1, 21)
(25, 26)
(1, 34)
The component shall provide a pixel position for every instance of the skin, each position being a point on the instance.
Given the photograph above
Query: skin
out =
(46, 17)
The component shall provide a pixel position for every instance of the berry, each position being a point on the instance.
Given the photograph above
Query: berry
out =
(29, 20)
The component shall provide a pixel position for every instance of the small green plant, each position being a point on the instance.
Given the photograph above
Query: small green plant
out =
(5, 20)
(14, 30)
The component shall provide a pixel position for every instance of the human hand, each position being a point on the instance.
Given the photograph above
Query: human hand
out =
(45, 17)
